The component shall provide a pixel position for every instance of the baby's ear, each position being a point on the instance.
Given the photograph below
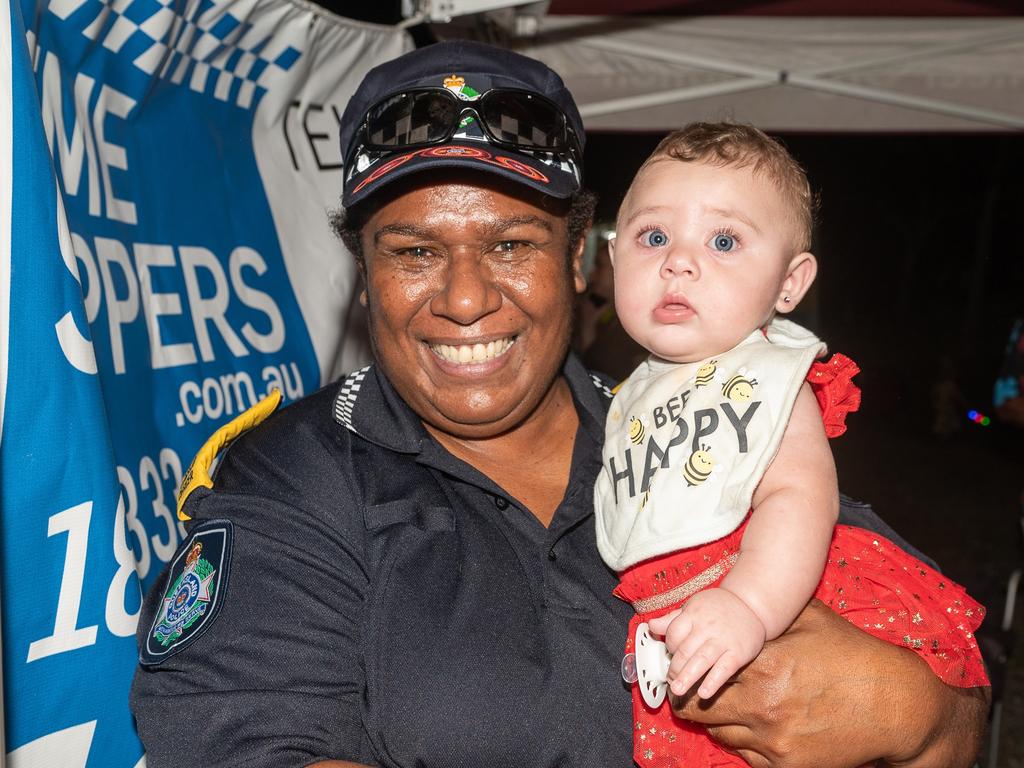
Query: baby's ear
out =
(611, 249)
(800, 274)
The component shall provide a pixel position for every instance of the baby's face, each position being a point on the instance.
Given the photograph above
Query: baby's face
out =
(700, 255)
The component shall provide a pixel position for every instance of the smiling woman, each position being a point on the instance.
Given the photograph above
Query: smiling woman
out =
(456, 266)
(409, 573)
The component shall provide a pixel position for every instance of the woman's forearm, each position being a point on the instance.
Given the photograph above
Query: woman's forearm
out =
(942, 725)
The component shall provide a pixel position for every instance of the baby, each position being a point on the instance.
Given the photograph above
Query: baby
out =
(717, 500)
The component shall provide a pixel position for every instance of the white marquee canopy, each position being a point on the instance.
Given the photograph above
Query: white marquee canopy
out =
(790, 73)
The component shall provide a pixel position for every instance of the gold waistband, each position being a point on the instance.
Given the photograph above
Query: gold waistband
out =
(687, 589)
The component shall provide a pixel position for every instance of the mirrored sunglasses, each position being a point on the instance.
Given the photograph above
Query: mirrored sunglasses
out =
(508, 117)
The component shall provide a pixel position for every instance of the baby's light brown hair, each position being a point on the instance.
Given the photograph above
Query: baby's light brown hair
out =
(744, 146)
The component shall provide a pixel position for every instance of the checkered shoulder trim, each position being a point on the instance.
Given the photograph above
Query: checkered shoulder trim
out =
(601, 386)
(346, 398)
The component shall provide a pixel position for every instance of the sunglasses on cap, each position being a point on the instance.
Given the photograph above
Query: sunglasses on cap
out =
(422, 117)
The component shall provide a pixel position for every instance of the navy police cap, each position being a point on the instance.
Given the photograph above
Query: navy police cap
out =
(468, 69)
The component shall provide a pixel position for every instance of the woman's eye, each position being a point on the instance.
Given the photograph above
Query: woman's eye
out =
(723, 242)
(654, 238)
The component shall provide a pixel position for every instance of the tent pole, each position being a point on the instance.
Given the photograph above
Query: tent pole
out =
(924, 52)
(766, 74)
(645, 100)
(1001, 119)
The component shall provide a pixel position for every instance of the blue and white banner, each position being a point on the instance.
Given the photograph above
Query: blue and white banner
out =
(193, 145)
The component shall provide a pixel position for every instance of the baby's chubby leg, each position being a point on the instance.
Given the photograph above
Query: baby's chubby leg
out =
(715, 633)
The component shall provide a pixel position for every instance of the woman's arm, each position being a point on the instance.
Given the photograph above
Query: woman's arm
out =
(826, 693)
(275, 673)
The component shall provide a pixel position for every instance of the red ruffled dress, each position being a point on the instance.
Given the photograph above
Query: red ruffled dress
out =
(868, 580)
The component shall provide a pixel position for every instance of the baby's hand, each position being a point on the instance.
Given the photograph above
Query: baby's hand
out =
(714, 631)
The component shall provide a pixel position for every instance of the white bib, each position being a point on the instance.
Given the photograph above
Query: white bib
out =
(687, 443)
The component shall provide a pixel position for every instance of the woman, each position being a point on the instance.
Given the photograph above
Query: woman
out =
(401, 569)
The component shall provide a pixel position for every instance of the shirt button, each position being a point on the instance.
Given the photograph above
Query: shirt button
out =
(501, 502)
(551, 555)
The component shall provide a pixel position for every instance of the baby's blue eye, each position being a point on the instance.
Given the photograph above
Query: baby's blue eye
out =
(655, 238)
(723, 242)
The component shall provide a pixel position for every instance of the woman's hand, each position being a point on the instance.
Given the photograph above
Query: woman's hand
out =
(827, 694)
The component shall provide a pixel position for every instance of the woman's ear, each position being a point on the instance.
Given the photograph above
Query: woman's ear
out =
(361, 268)
(800, 274)
(579, 280)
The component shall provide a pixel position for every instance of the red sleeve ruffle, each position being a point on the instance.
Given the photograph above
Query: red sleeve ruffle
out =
(832, 383)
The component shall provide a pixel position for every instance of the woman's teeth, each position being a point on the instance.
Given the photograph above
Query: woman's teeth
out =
(472, 353)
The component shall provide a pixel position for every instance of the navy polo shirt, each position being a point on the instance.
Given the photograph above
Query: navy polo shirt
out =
(388, 604)
(381, 601)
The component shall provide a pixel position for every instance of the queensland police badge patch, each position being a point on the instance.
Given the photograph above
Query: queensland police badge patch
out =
(196, 582)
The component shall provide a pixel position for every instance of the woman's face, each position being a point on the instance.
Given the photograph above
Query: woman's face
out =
(469, 290)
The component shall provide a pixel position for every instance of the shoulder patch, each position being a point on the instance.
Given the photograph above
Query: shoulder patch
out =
(198, 473)
(197, 582)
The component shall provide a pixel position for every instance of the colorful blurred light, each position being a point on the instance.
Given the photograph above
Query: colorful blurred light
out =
(978, 418)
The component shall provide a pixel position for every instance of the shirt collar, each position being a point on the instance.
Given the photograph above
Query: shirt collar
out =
(369, 406)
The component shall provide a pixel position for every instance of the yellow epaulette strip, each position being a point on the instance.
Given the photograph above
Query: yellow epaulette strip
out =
(617, 387)
(198, 473)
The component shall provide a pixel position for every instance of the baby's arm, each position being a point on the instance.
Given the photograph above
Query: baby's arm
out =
(781, 559)
(795, 510)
